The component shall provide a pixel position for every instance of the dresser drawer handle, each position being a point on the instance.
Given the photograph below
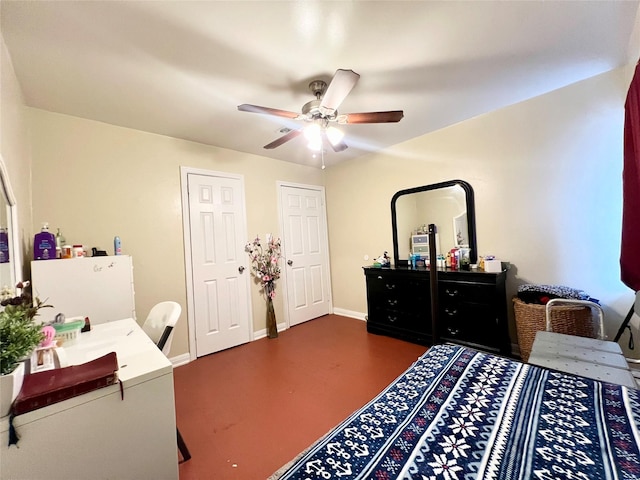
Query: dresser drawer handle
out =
(390, 286)
(392, 302)
(451, 313)
(453, 331)
(392, 318)
(451, 293)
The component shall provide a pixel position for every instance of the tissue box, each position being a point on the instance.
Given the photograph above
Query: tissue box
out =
(493, 266)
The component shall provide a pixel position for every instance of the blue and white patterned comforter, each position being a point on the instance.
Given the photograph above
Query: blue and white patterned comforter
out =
(461, 414)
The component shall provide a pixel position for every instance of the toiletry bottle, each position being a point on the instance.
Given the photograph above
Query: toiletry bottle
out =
(4, 245)
(117, 246)
(60, 241)
(44, 244)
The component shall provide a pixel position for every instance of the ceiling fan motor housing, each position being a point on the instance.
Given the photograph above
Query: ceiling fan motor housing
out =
(313, 111)
(318, 87)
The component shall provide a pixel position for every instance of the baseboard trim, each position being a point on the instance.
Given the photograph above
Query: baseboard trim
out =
(257, 335)
(350, 313)
(179, 360)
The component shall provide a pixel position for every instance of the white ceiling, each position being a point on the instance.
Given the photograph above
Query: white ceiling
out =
(181, 68)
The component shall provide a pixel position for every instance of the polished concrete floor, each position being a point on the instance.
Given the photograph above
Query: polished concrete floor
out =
(246, 411)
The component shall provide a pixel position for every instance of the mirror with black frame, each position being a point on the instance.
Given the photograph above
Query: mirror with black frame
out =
(448, 205)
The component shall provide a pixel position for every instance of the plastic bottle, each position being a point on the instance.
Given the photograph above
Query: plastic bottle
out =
(44, 244)
(60, 241)
(117, 246)
(4, 245)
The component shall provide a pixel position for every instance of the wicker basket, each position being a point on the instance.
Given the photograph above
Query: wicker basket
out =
(571, 320)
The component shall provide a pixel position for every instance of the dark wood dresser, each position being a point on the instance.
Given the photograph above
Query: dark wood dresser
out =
(472, 306)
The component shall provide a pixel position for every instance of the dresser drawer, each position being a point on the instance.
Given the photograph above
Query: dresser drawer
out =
(454, 292)
(410, 321)
(473, 323)
(381, 284)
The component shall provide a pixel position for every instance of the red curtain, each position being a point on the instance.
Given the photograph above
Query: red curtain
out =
(630, 251)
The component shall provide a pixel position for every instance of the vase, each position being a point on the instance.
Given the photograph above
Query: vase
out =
(272, 325)
(10, 385)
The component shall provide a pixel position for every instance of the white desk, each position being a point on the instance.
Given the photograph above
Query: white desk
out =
(97, 435)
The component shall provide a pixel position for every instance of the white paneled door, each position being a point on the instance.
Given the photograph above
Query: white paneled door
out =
(220, 277)
(305, 247)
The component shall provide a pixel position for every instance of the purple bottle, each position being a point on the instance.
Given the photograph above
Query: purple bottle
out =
(4, 245)
(44, 244)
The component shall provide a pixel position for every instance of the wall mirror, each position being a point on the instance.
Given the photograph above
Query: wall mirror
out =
(10, 262)
(448, 205)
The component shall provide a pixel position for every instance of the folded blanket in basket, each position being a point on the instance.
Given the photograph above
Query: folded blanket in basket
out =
(541, 294)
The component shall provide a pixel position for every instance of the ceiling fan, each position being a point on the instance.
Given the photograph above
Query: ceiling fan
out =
(319, 113)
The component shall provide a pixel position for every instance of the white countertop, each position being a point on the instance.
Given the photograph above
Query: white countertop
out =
(138, 356)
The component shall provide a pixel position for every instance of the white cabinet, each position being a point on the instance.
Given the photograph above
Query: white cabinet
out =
(100, 435)
(100, 288)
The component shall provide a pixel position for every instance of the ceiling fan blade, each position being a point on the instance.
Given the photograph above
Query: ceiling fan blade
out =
(337, 147)
(245, 107)
(342, 83)
(283, 139)
(372, 117)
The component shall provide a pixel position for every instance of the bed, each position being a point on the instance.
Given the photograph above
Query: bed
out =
(458, 413)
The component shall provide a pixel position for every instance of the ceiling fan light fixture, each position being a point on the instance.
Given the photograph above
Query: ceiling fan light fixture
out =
(315, 144)
(334, 135)
(313, 134)
(312, 131)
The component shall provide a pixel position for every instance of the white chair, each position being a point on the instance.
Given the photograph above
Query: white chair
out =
(159, 327)
(160, 322)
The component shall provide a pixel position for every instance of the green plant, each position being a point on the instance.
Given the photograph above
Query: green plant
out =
(19, 334)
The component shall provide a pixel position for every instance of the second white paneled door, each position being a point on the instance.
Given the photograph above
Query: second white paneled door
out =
(219, 274)
(306, 252)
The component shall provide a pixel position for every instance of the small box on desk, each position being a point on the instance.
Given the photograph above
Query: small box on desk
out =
(493, 266)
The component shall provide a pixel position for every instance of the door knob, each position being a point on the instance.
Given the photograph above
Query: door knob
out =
(241, 269)
(289, 262)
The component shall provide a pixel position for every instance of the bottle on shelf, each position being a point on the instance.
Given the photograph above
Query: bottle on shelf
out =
(60, 241)
(44, 244)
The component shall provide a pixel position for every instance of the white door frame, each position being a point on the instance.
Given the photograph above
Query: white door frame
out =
(186, 232)
(326, 265)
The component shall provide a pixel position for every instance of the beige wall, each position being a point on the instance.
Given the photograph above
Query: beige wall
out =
(14, 145)
(546, 174)
(547, 180)
(95, 181)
